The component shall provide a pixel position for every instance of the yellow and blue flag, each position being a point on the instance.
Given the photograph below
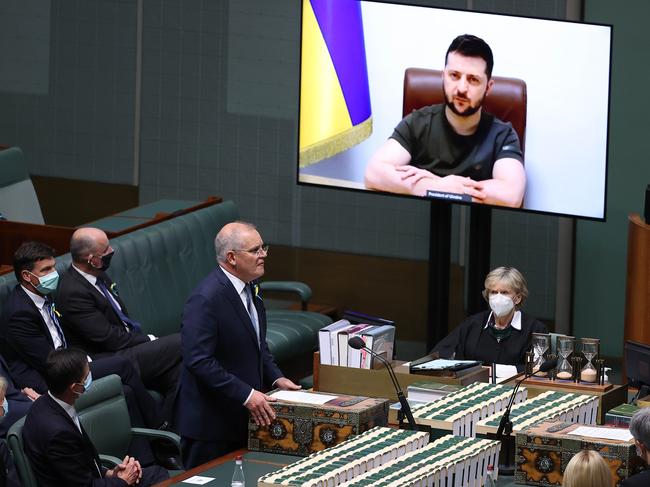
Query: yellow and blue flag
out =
(335, 109)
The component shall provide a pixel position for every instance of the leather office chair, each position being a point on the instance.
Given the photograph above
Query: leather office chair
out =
(104, 415)
(23, 466)
(18, 200)
(506, 101)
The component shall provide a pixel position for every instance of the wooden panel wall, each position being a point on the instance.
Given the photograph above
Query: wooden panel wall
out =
(391, 288)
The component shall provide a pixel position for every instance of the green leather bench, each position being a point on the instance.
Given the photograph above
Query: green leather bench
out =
(157, 267)
(139, 215)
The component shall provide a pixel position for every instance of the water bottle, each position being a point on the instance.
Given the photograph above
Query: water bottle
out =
(489, 481)
(238, 474)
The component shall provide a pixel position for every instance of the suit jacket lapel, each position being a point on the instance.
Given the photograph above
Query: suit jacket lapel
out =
(84, 282)
(59, 410)
(261, 314)
(27, 301)
(233, 297)
(108, 282)
(98, 461)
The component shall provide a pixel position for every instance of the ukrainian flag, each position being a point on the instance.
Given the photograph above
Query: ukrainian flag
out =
(334, 97)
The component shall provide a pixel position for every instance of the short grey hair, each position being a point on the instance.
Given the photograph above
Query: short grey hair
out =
(640, 426)
(224, 242)
(510, 277)
(81, 246)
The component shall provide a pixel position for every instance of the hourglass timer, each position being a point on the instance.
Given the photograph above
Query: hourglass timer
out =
(541, 344)
(565, 347)
(590, 348)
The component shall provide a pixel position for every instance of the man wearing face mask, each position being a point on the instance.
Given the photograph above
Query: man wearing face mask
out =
(500, 335)
(640, 429)
(8, 473)
(30, 329)
(59, 450)
(96, 318)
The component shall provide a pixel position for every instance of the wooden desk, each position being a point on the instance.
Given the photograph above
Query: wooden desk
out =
(255, 465)
(377, 382)
(145, 216)
(12, 233)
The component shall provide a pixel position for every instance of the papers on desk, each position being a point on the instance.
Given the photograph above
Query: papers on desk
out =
(302, 396)
(505, 372)
(604, 433)
(198, 480)
(444, 364)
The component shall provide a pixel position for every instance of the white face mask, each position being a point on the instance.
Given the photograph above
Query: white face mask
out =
(501, 304)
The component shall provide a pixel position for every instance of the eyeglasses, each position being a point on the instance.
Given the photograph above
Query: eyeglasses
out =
(257, 251)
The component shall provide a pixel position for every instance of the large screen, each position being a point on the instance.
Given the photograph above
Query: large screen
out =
(532, 134)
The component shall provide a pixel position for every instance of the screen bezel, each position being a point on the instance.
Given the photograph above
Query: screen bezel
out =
(471, 204)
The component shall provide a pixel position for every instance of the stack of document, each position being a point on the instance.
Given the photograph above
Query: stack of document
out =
(334, 348)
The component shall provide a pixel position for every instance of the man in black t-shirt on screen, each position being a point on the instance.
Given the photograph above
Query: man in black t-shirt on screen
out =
(455, 147)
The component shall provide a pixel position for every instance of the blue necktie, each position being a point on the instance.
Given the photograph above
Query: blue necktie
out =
(49, 306)
(125, 319)
(250, 307)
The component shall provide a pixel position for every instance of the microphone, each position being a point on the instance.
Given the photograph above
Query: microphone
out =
(505, 422)
(357, 343)
(505, 425)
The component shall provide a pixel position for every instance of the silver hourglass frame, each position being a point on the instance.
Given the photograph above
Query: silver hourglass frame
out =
(565, 348)
(590, 350)
(541, 345)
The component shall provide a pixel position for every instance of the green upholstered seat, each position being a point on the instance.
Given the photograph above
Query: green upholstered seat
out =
(105, 417)
(140, 214)
(18, 200)
(157, 267)
(292, 333)
(170, 258)
(150, 210)
(115, 223)
(23, 466)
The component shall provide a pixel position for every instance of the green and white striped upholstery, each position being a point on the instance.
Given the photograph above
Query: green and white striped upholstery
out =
(349, 459)
(459, 411)
(548, 406)
(448, 461)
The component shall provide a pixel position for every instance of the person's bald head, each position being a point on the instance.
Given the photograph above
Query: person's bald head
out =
(240, 250)
(87, 247)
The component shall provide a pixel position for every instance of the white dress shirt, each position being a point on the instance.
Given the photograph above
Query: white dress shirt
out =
(515, 322)
(93, 280)
(240, 287)
(39, 301)
(72, 412)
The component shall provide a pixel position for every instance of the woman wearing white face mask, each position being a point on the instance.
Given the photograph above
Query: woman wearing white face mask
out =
(501, 334)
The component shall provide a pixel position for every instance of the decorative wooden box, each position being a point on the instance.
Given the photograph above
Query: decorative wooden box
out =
(542, 452)
(302, 429)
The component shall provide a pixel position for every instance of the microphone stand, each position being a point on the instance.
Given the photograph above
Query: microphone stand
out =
(406, 408)
(505, 429)
(505, 425)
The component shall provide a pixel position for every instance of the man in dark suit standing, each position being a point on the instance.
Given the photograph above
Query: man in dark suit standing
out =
(59, 450)
(640, 429)
(96, 319)
(226, 360)
(30, 329)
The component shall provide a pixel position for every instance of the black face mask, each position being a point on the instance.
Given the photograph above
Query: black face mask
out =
(106, 260)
